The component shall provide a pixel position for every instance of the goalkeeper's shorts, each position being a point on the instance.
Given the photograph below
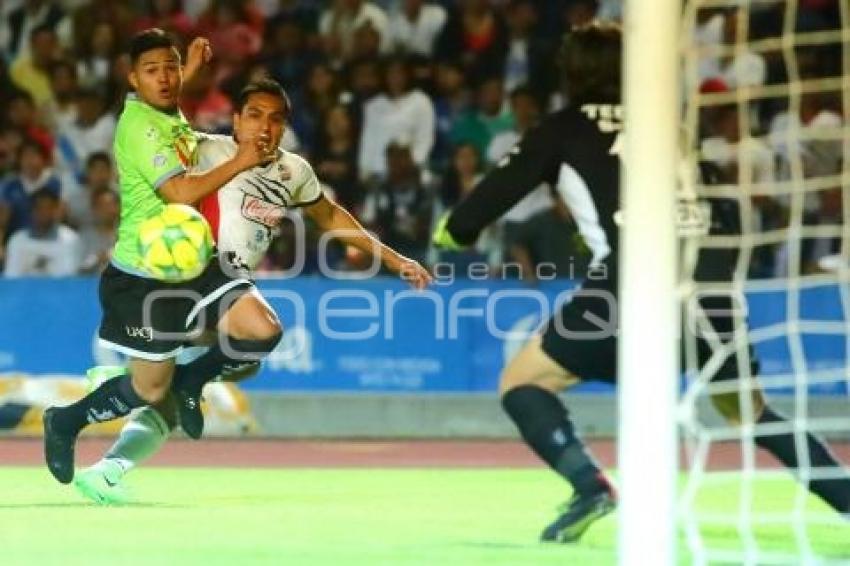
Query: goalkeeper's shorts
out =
(582, 337)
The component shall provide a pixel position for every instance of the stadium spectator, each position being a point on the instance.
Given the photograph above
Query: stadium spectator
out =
(24, 20)
(34, 174)
(45, 248)
(489, 118)
(415, 26)
(286, 53)
(364, 82)
(403, 114)
(91, 13)
(530, 55)
(62, 106)
(30, 71)
(744, 68)
(92, 131)
(10, 142)
(235, 30)
(167, 15)
(304, 13)
(476, 35)
(321, 92)
(98, 238)
(452, 99)
(335, 157)
(399, 208)
(342, 19)
(366, 43)
(99, 51)
(77, 195)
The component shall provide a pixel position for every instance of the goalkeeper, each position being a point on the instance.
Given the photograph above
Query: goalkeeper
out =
(575, 150)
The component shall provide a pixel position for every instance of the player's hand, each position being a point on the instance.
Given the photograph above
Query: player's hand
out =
(442, 238)
(410, 270)
(253, 152)
(199, 54)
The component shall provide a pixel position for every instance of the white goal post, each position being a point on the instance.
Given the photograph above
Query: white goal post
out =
(649, 310)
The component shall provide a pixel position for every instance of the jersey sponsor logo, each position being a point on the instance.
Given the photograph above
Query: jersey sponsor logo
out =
(159, 160)
(261, 212)
(284, 172)
(143, 332)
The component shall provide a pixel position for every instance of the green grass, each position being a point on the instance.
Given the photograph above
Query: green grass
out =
(337, 517)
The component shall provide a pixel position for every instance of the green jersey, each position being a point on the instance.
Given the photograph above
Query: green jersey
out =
(150, 147)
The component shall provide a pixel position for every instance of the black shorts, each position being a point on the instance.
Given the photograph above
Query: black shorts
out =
(582, 336)
(150, 319)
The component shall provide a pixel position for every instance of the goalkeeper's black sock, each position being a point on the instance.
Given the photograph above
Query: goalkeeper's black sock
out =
(834, 491)
(543, 422)
(193, 376)
(114, 398)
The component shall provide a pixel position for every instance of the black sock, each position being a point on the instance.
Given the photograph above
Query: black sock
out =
(197, 373)
(544, 425)
(114, 398)
(835, 492)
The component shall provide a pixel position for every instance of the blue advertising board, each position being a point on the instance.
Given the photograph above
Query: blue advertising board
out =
(377, 335)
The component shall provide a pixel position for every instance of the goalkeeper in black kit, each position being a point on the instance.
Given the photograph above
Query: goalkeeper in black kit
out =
(576, 150)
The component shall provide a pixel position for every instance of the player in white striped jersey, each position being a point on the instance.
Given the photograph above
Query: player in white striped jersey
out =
(244, 215)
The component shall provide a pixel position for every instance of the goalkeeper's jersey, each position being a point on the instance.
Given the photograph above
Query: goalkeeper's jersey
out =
(574, 150)
(150, 147)
(246, 212)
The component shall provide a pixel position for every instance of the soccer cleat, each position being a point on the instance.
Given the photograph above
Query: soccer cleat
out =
(189, 408)
(101, 483)
(58, 449)
(578, 514)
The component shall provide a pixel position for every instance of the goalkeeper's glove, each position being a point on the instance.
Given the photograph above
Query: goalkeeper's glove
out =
(442, 238)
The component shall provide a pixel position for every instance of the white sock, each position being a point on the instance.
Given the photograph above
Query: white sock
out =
(142, 437)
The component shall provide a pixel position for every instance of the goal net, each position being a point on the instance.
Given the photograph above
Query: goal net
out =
(766, 110)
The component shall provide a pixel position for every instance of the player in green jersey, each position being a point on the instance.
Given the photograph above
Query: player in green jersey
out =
(147, 319)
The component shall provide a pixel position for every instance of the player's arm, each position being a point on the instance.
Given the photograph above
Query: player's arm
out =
(330, 217)
(198, 55)
(533, 161)
(188, 189)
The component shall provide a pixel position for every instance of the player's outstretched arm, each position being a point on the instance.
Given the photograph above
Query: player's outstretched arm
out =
(532, 161)
(330, 217)
(189, 189)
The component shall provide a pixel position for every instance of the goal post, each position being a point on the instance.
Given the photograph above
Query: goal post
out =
(649, 310)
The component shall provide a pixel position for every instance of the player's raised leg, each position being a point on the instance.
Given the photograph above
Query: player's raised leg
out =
(249, 331)
(529, 387)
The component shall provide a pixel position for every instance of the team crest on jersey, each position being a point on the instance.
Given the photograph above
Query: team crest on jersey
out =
(261, 212)
(284, 172)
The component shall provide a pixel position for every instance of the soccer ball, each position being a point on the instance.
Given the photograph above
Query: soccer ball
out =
(175, 244)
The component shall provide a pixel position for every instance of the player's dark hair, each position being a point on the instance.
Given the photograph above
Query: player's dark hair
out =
(99, 157)
(146, 40)
(591, 59)
(264, 85)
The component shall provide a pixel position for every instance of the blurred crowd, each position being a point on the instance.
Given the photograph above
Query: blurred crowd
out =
(400, 105)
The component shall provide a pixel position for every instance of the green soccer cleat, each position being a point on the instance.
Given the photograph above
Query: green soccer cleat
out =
(442, 238)
(101, 483)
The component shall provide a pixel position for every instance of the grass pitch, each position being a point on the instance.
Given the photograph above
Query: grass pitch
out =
(343, 517)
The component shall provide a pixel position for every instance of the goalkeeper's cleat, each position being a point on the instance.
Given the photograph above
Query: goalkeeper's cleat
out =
(189, 409)
(101, 483)
(442, 238)
(578, 514)
(58, 448)
(98, 374)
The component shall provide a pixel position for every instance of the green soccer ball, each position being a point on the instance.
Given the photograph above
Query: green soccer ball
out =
(176, 244)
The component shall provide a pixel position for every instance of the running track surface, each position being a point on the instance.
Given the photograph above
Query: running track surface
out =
(273, 453)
